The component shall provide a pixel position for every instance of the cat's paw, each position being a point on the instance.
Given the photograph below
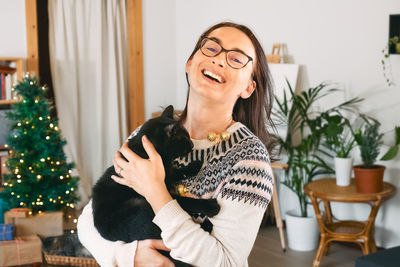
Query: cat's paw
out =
(207, 225)
(211, 207)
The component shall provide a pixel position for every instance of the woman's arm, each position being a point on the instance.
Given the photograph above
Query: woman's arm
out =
(235, 227)
(106, 253)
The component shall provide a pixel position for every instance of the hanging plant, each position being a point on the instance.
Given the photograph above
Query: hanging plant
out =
(387, 71)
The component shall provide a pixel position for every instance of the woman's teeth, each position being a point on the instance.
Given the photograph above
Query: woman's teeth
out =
(213, 75)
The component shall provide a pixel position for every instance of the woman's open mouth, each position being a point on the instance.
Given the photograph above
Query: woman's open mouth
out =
(212, 76)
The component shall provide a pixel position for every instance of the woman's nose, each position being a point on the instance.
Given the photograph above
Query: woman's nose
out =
(219, 60)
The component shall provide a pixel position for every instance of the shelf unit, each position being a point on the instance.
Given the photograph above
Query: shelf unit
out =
(19, 69)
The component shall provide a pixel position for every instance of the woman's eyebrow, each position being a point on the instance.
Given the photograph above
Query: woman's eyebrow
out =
(219, 42)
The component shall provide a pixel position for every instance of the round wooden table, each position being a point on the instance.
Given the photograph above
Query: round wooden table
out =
(325, 190)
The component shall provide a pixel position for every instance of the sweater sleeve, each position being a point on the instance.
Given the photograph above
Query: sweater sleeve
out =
(106, 253)
(243, 198)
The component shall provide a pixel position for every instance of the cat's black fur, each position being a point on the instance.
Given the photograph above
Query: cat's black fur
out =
(120, 213)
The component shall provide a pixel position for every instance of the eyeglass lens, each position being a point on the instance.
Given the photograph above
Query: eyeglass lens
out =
(235, 59)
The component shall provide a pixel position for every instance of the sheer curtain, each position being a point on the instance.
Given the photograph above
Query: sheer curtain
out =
(88, 55)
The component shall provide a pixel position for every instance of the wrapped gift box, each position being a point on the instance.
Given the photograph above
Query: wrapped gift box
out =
(22, 250)
(44, 224)
(20, 212)
(7, 232)
(3, 208)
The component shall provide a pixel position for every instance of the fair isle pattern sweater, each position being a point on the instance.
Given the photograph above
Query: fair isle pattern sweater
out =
(222, 172)
(237, 173)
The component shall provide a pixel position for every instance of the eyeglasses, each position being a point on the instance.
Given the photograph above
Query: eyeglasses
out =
(235, 58)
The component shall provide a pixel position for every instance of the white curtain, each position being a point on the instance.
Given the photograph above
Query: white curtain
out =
(88, 55)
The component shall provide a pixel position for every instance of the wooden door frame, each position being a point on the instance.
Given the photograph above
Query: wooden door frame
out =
(32, 46)
(135, 64)
(135, 101)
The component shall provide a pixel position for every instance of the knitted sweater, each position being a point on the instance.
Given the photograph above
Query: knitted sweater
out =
(237, 173)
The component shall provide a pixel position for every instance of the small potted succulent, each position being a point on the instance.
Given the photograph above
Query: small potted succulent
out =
(339, 138)
(369, 176)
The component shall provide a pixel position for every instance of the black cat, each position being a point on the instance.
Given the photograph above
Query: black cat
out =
(120, 213)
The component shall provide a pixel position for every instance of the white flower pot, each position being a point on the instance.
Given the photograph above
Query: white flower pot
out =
(302, 232)
(343, 167)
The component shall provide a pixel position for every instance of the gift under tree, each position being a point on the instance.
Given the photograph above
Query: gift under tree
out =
(40, 177)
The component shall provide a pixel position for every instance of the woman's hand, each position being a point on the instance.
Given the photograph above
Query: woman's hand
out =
(145, 176)
(147, 254)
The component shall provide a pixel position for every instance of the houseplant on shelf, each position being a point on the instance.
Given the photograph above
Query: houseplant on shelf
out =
(339, 138)
(305, 130)
(369, 176)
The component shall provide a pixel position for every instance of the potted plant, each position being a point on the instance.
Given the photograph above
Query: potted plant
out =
(394, 44)
(305, 129)
(339, 138)
(369, 176)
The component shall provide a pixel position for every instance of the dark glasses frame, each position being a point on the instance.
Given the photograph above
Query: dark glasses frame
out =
(205, 39)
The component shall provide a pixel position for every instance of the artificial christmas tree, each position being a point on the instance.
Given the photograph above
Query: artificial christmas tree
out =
(40, 177)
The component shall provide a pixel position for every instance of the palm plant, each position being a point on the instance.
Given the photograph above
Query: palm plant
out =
(339, 135)
(306, 157)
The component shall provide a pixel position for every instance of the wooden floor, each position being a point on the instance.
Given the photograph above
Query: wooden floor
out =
(267, 252)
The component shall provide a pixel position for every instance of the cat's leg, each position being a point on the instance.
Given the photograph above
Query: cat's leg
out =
(207, 225)
(209, 207)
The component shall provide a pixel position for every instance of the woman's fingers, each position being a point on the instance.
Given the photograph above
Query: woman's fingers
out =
(147, 255)
(120, 180)
(119, 162)
(129, 154)
(117, 168)
(159, 244)
(149, 148)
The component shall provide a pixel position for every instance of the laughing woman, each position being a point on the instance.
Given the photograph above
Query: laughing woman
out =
(227, 112)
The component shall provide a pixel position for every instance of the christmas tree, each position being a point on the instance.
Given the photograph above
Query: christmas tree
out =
(40, 177)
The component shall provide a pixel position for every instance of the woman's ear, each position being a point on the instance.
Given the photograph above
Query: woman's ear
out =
(249, 90)
(188, 64)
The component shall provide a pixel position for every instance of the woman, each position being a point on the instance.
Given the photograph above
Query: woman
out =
(228, 105)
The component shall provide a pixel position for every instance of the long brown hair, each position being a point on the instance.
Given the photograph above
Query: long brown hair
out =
(255, 111)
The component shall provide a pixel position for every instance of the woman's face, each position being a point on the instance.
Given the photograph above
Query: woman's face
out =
(232, 83)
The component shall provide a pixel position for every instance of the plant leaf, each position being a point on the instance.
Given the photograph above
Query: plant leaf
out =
(391, 154)
(397, 134)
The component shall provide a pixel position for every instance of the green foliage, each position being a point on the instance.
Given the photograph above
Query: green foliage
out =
(40, 177)
(387, 73)
(369, 141)
(305, 159)
(338, 135)
(392, 152)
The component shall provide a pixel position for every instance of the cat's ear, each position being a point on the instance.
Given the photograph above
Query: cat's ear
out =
(168, 112)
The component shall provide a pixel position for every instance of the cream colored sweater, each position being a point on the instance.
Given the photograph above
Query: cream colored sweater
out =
(237, 173)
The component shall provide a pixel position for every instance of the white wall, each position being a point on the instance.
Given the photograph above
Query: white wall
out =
(338, 41)
(13, 34)
(159, 42)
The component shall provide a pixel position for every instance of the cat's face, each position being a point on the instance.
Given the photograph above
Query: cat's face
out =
(179, 143)
(168, 136)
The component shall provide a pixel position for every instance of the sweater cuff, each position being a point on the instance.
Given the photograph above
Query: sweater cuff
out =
(125, 253)
(170, 216)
